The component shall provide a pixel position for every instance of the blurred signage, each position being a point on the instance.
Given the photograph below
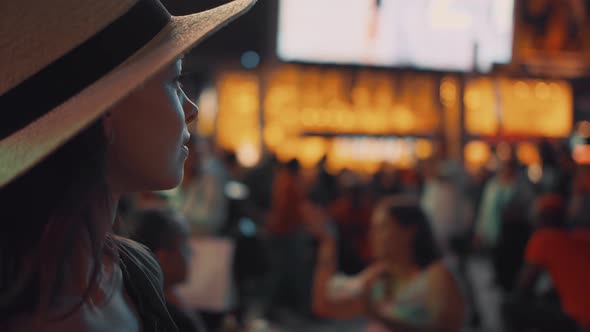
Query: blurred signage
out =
(551, 36)
(238, 122)
(322, 103)
(303, 107)
(367, 154)
(510, 107)
(447, 35)
(302, 99)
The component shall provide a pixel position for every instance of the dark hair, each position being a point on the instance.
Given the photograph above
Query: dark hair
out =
(45, 213)
(511, 163)
(548, 154)
(156, 228)
(551, 211)
(293, 166)
(230, 159)
(407, 212)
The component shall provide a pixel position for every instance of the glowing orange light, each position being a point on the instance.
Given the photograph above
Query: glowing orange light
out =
(528, 154)
(477, 153)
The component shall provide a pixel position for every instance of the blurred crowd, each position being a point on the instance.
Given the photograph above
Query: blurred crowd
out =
(392, 247)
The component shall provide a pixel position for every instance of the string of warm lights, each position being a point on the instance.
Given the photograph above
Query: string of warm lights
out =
(359, 119)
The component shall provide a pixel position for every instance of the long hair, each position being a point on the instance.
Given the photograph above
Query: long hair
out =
(156, 228)
(45, 214)
(407, 212)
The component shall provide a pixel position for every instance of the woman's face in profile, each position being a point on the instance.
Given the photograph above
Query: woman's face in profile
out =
(147, 134)
(389, 240)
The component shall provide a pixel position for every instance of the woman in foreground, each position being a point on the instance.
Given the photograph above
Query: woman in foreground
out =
(91, 109)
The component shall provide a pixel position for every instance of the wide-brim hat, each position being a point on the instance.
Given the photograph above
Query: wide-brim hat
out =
(64, 63)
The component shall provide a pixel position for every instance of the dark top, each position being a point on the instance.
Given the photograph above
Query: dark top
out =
(144, 283)
(185, 321)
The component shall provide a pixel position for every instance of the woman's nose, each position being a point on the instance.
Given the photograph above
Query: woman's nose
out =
(191, 110)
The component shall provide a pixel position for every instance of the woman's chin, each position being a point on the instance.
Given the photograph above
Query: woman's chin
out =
(174, 183)
(169, 182)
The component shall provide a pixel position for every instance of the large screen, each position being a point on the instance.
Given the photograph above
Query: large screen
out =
(447, 35)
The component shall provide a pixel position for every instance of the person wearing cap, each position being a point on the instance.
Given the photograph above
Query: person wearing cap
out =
(90, 109)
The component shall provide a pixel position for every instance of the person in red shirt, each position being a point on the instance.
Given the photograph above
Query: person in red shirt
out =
(285, 285)
(288, 195)
(352, 213)
(564, 255)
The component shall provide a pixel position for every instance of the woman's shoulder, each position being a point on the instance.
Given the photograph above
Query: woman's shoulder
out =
(144, 281)
(442, 273)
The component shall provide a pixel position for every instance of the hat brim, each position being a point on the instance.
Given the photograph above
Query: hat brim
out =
(25, 148)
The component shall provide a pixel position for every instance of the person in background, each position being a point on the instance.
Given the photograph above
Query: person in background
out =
(325, 188)
(475, 187)
(205, 203)
(499, 192)
(558, 169)
(565, 256)
(352, 213)
(502, 226)
(411, 182)
(567, 167)
(259, 182)
(450, 212)
(508, 254)
(213, 210)
(288, 195)
(386, 181)
(578, 209)
(445, 204)
(284, 242)
(167, 234)
(407, 288)
(550, 179)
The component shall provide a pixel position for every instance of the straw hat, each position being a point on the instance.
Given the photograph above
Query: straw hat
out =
(63, 63)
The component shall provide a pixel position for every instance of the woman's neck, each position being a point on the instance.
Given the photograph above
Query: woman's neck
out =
(79, 267)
